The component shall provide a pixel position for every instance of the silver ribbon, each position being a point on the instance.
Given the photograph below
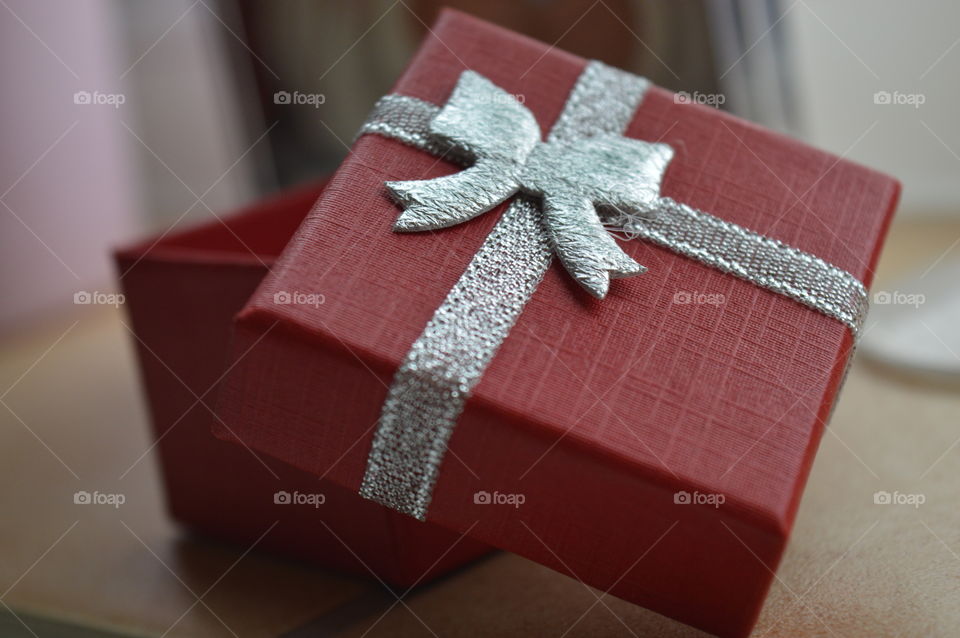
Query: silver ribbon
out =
(557, 185)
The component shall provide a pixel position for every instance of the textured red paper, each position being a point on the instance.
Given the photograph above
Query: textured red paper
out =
(182, 292)
(598, 412)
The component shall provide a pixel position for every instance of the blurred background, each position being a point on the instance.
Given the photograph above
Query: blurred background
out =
(121, 120)
(186, 113)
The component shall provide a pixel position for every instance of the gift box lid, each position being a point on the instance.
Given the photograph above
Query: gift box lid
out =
(614, 421)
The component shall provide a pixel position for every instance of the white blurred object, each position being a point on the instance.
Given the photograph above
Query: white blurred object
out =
(863, 67)
(916, 326)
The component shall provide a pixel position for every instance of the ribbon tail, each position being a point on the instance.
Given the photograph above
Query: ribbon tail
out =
(476, 316)
(586, 249)
(446, 201)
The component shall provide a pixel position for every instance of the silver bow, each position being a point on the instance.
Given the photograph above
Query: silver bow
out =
(490, 128)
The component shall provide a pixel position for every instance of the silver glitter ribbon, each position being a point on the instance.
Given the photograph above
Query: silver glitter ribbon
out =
(558, 186)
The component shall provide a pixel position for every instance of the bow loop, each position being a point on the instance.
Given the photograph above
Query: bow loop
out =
(487, 125)
(573, 178)
(486, 122)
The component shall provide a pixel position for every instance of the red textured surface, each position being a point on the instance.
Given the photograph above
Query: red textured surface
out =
(596, 411)
(182, 293)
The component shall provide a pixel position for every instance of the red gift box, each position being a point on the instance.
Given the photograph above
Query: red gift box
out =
(654, 444)
(182, 291)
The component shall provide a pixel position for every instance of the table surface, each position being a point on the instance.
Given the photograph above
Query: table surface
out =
(73, 419)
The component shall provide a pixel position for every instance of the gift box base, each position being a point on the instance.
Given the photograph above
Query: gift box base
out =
(182, 292)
